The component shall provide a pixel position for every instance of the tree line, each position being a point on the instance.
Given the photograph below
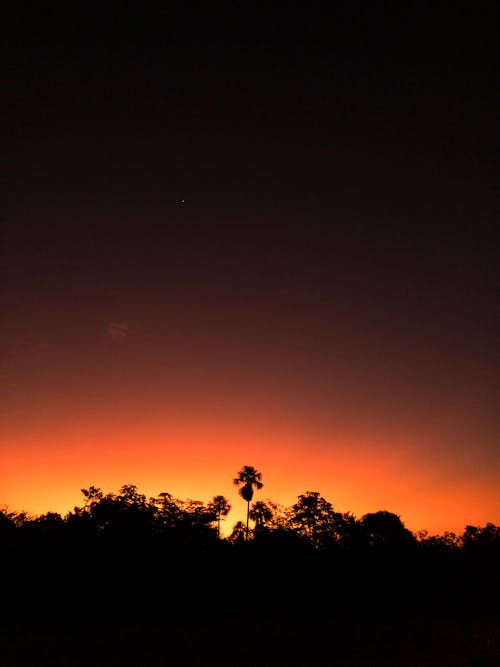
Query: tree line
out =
(311, 518)
(170, 554)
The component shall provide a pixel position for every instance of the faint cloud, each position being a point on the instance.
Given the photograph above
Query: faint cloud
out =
(119, 330)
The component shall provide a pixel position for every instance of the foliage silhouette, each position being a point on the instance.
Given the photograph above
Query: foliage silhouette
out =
(384, 529)
(262, 514)
(221, 508)
(247, 479)
(239, 533)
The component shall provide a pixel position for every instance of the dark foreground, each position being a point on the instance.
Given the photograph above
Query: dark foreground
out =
(126, 582)
(405, 640)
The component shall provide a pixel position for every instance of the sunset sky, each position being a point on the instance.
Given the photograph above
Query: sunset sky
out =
(258, 240)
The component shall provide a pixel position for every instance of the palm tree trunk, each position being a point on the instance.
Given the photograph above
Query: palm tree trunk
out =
(248, 514)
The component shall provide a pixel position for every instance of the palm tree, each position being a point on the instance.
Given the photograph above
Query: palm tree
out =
(220, 507)
(261, 513)
(247, 479)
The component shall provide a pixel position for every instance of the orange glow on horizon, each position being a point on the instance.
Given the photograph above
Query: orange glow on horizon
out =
(198, 460)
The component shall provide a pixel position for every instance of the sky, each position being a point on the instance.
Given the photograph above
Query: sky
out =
(251, 238)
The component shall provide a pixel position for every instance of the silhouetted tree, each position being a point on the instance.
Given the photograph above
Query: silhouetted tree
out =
(92, 495)
(446, 542)
(385, 529)
(196, 513)
(314, 517)
(167, 512)
(220, 507)
(239, 533)
(247, 479)
(125, 513)
(261, 513)
(482, 543)
(130, 497)
(477, 536)
(280, 519)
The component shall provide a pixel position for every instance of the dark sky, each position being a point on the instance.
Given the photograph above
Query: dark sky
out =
(279, 214)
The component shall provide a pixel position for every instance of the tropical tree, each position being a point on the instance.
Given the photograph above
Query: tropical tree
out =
(315, 518)
(220, 507)
(385, 529)
(262, 514)
(239, 533)
(247, 479)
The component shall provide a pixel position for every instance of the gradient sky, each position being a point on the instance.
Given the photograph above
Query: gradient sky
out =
(258, 240)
